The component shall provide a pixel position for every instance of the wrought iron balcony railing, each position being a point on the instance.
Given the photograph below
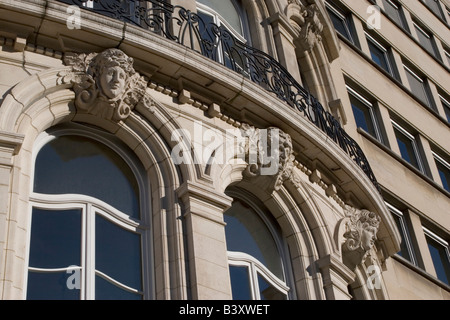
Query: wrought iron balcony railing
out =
(217, 43)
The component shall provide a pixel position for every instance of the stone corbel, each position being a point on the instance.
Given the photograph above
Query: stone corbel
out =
(357, 233)
(270, 157)
(106, 84)
(307, 19)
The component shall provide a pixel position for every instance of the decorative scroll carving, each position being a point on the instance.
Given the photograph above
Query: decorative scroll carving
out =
(269, 152)
(361, 227)
(106, 84)
(306, 17)
(311, 30)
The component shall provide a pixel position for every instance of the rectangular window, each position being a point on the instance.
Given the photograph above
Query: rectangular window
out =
(341, 22)
(364, 113)
(444, 170)
(446, 105)
(435, 6)
(406, 246)
(440, 255)
(426, 40)
(447, 55)
(393, 10)
(379, 54)
(418, 86)
(408, 146)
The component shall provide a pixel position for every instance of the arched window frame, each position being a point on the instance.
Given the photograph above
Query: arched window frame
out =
(90, 207)
(255, 266)
(219, 19)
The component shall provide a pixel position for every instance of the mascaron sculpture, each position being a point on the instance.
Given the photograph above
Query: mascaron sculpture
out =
(106, 84)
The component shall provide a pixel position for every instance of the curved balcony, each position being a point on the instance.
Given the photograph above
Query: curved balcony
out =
(217, 43)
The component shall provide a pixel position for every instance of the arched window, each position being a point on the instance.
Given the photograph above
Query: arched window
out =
(255, 253)
(226, 13)
(88, 236)
(223, 44)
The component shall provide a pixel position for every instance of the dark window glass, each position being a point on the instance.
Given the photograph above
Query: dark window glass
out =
(407, 148)
(440, 259)
(55, 238)
(240, 283)
(118, 253)
(379, 56)
(444, 174)
(435, 6)
(363, 116)
(105, 290)
(446, 106)
(50, 286)
(404, 252)
(78, 165)
(341, 24)
(268, 291)
(417, 86)
(393, 10)
(246, 232)
(426, 40)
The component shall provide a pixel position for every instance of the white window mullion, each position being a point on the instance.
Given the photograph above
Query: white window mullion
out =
(90, 252)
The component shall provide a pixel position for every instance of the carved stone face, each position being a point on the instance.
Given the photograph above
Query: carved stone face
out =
(368, 237)
(113, 81)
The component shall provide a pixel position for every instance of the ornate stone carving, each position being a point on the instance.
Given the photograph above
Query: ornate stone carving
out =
(106, 84)
(361, 228)
(269, 153)
(306, 16)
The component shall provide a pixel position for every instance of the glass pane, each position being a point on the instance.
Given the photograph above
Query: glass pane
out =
(393, 11)
(440, 260)
(403, 245)
(417, 87)
(425, 40)
(105, 290)
(340, 24)
(268, 291)
(78, 165)
(447, 112)
(406, 149)
(435, 7)
(240, 283)
(362, 116)
(246, 232)
(227, 10)
(379, 56)
(118, 253)
(444, 173)
(55, 238)
(50, 286)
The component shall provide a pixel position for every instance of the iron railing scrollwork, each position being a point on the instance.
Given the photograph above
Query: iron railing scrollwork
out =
(219, 44)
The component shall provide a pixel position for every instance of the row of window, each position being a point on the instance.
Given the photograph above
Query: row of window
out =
(438, 247)
(367, 117)
(383, 55)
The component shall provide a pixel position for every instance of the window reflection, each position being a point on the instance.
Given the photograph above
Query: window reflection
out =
(240, 283)
(246, 232)
(55, 238)
(118, 253)
(78, 165)
(254, 256)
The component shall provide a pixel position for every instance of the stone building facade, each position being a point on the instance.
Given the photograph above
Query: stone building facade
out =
(253, 149)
